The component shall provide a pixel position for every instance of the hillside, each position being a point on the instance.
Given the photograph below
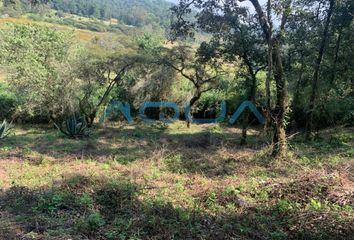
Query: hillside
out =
(131, 12)
(134, 13)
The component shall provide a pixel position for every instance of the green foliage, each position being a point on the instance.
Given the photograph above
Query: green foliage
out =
(131, 12)
(284, 206)
(90, 223)
(148, 42)
(13, 8)
(175, 163)
(94, 26)
(315, 205)
(53, 201)
(235, 191)
(320, 93)
(8, 101)
(85, 201)
(5, 129)
(74, 127)
(39, 61)
(279, 235)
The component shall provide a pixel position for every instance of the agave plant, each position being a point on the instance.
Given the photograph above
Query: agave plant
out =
(74, 127)
(5, 129)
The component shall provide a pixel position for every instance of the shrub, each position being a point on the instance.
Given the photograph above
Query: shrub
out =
(5, 129)
(284, 206)
(8, 101)
(91, 223)
(74, 127)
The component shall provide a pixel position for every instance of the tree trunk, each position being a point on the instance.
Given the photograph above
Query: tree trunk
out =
(314, 88)
(352, 85)
(279, 139)
(191, 104)
(251, 97)
(270, 70)
(336, 56)
(268, 94)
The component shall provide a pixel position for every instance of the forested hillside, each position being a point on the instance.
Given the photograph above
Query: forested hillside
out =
(131, 12)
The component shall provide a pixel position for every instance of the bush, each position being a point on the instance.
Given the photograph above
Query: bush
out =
(8, 102)
(74, 127)
(5, 129)
(90, 223)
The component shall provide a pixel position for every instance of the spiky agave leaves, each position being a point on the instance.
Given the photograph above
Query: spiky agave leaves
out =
(5, 129)
(74, 127)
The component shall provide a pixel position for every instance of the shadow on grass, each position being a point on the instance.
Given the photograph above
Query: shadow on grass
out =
(200, 151)
(212, 152)
(81, 207)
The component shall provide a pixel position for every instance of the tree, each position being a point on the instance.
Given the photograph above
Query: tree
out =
(41, 63)
(236, 36)
(101, 76)
(131, 12)
(276, 40)
(305, 41)
(12, 7)
(202, 75)
(184, 27)
(317, 67)
(108, 73)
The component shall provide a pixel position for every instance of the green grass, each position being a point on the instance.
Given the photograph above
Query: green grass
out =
(151, 181)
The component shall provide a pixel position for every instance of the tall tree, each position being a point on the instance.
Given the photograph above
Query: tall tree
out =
(315, 80)
(184, 27)
(236, 37)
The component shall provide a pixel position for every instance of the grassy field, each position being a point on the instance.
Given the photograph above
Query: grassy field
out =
(170, 182)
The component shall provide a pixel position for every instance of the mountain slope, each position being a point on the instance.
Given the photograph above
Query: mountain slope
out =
(130, 12)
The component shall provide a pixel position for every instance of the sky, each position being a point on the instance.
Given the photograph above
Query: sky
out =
(245, 4)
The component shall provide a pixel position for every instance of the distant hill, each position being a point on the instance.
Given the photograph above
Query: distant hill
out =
(131, 12)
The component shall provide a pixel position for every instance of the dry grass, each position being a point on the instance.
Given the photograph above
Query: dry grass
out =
(173, 182)
(81, 34)
(2, 77)
(15, 20)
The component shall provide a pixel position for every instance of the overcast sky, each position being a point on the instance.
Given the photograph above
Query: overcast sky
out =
(249, 4)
